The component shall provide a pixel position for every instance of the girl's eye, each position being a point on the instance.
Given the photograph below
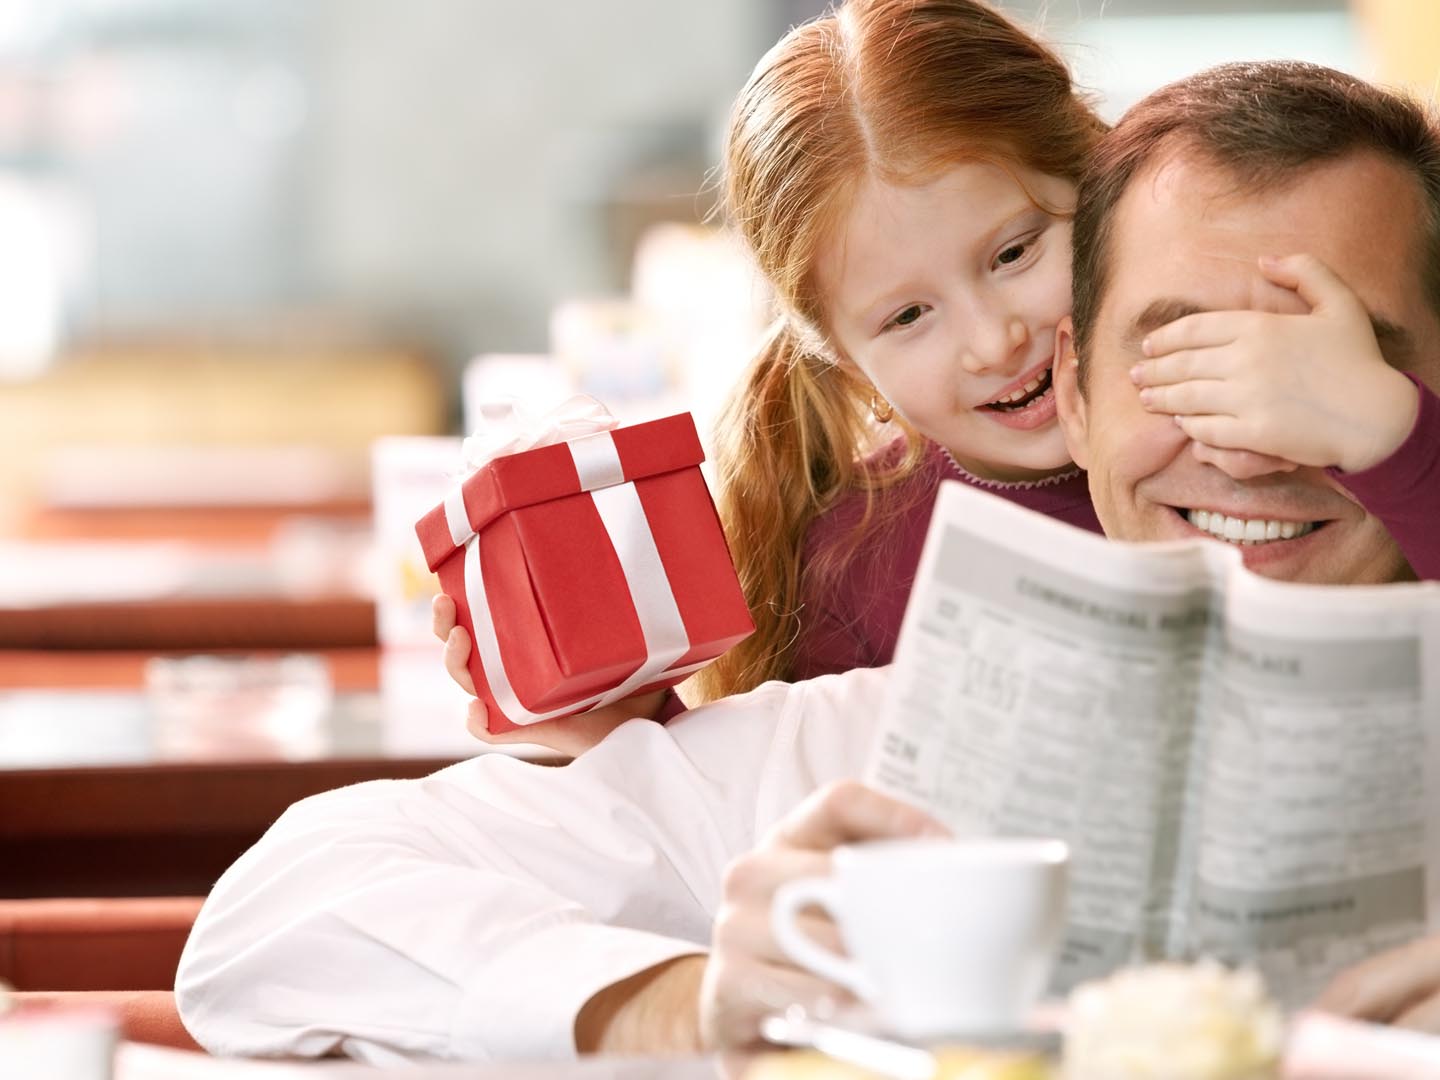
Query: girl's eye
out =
(1015, 252)
(1011, 254)
(906, 317)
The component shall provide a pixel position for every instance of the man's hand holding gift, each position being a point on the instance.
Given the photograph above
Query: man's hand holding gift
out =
(570, 735)
(584, 571)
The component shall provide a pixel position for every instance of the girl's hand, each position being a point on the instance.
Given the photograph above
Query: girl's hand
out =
(1309, 389)
(570, 735)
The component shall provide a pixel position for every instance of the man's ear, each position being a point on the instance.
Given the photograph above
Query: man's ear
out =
(1069, 399)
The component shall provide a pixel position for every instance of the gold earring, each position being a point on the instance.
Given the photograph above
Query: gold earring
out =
(881, 409)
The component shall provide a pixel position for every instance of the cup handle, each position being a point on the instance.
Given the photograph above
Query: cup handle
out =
(791, 899)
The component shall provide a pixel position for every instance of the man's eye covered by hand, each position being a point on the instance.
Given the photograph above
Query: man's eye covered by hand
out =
(1264, 392)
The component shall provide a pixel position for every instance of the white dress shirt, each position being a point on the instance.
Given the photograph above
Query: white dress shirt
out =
(470, 915)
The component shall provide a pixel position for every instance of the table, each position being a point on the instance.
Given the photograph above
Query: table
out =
(195, 623)
(1320, 1048)
(187, 578)
(136, 827)
(90, 807)
(137, 1062)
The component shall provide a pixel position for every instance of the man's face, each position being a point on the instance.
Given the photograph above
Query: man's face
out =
(1185, 239)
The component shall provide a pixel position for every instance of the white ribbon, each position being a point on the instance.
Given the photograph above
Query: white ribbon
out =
(457, 518)
(623, 516)
(510, 427)
(597, 463)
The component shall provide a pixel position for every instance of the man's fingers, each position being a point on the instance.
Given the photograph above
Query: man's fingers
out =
(1319, 286)
(1384, 987)
(1241, 464)
(442, 616)
(756, 876)
(747, 929)
(847, 811)
(560, 735)
(477, 716)
(775, 987)
(1203, 330)
(740, 996)
(457, 657)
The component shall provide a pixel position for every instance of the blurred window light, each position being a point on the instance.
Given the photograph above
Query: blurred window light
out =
(269, 103)
(39, 256)
(537, 381)
(1123, 58)
(27, 25)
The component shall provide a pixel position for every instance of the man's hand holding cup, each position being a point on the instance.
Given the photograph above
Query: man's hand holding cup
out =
(943, 936)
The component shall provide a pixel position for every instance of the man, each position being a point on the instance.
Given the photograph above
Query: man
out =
(1185, 197)
(498, 910)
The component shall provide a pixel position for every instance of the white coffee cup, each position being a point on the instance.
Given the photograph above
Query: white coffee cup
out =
(944, 936)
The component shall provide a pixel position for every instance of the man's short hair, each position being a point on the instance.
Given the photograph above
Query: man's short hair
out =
(1263, 123)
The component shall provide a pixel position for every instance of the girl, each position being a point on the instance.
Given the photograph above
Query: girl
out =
(903, 173)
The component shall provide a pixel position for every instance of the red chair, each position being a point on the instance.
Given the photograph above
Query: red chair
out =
(117, 953)
(146, 1016)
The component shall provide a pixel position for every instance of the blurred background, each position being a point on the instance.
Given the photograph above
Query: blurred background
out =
(262, 262)
(208, 194)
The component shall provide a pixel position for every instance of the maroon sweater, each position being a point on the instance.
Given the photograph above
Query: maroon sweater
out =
(852, 607)
(1403, 491)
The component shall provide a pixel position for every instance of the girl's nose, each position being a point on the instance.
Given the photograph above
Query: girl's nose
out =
(995, 345)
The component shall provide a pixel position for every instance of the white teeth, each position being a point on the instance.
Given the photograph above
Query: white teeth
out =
(1015, 395)
(1023, 392)
(1246, 531)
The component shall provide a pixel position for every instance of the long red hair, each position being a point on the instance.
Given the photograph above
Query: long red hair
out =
(894, 88)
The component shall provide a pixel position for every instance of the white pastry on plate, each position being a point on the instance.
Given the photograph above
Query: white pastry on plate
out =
(1173, 1022)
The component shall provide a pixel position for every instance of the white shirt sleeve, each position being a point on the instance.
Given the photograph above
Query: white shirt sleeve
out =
(471, 914)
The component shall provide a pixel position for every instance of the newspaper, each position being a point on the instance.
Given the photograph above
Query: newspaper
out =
(1243, 768)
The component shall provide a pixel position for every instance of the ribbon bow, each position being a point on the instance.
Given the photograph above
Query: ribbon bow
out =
(510, 427)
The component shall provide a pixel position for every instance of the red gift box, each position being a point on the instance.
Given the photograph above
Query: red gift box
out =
(587, 571)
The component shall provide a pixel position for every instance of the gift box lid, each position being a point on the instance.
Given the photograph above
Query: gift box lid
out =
(550, 472)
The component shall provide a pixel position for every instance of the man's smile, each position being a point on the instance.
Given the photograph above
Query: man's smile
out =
(1246, 531)
(1275, 546)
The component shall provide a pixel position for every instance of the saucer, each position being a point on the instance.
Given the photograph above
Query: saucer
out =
(1040, 1033)
(858, 1035)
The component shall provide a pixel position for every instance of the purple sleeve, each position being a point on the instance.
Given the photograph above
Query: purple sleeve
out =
(1403, 491)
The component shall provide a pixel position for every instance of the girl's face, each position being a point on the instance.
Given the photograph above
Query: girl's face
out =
(947, 295)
